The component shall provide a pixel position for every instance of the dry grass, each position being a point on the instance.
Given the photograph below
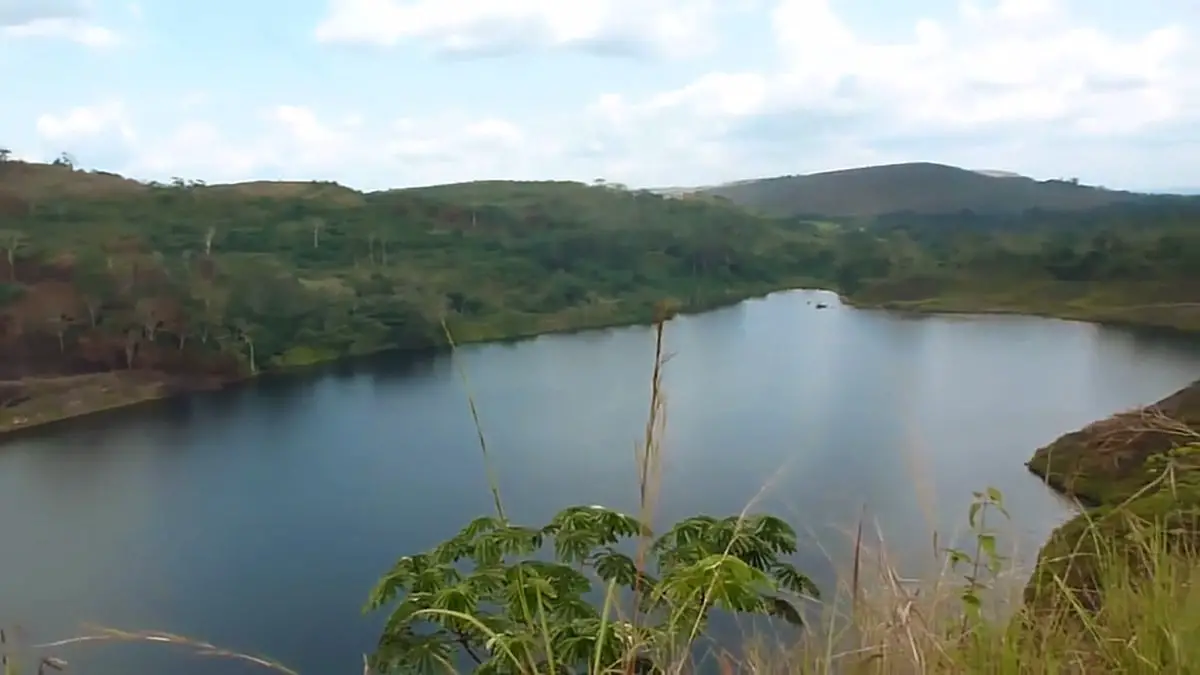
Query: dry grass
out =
(338, 194)
(1105, 461)
(32, 182)
(37, 401)
(952, 621)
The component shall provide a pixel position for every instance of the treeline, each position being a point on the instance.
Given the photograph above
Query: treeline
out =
(188, 277)
(1157, 237)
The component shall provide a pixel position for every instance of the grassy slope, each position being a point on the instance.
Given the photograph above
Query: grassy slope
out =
(917, 187)
(1136, 470)
(1103, 463)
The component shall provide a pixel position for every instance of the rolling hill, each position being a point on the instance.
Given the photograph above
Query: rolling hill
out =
(919, 187)
(114, 290)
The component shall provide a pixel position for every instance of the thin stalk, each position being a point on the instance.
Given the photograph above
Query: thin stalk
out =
(493, 482)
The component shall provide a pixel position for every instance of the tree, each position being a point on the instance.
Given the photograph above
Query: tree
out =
(209, 310)
(94, 295)
(94, 279)
(170, 314)
(242, 331)
(58, 308)
(484, 595)
(133, 338)
(5, 154)
(149, 316)
(12, 241)
(317, 224)
(60, 322)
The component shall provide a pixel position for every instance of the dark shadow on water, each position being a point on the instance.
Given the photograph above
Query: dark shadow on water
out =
(387, 364)
(1171, 337)
(276, 388)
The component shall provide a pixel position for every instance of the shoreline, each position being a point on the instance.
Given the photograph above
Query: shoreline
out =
(147, 388)
(153, 387)
(1104, 467)
(1100, 317)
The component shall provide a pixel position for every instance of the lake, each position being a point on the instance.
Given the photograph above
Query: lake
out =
(259, 518)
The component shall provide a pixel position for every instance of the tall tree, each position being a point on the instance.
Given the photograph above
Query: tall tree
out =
(12, 241)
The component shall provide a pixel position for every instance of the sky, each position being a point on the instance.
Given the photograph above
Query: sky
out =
(652, 93)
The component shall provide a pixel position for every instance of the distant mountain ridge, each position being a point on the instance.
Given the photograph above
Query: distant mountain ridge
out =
(918, 187)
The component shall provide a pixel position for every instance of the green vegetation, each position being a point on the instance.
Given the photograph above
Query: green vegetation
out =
(917, 187)
(1106, 462)
(1131, 264)
(162, 288)
(569, 598)
(1136, 470)
(199, 283)
(511, 613)
(1114, 590)
(113, 291)
(527, 614)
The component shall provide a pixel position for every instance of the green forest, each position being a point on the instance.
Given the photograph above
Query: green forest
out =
(186, 283)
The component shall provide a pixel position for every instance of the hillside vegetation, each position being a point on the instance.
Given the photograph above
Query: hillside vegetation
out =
(922, 188)
(113, 291)
(1135, 470)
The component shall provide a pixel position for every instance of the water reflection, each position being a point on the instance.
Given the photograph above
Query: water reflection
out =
(260, 516)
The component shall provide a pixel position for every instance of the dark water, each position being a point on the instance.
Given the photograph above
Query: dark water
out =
(259, 518)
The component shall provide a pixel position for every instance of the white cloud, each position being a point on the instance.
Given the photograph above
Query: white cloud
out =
(999, 70)
(1009, 84)
(195, 149)
(86, 123)
(1016, 61)
(481, 27)
(74, 30)
(53, 19)
(294, 142)
(103, 131)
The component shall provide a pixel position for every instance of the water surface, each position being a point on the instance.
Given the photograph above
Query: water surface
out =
(259, 518)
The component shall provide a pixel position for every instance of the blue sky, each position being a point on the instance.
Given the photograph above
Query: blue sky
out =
(384, 93)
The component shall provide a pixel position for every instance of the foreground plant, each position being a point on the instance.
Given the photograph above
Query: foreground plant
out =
(484, 596)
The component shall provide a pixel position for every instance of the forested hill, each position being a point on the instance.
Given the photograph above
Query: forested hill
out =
(189, 284)
(922, 188)
(102, 273)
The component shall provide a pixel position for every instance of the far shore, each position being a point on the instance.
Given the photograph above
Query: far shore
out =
(57, 399)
